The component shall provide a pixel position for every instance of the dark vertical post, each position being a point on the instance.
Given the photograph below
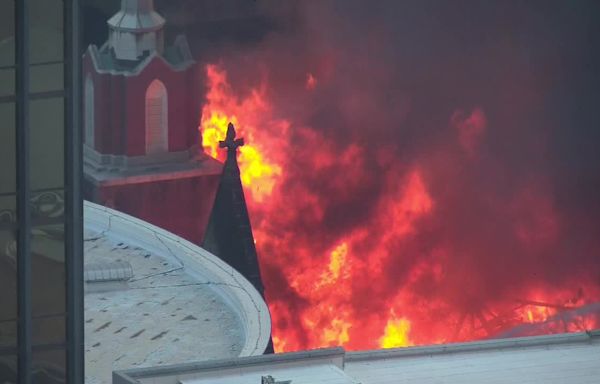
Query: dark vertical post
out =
(73, 195)
(23, 191)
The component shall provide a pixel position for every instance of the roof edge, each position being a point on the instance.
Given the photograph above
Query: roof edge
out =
(182, 369)
(94, 51)
(516, 342)
(339, 355)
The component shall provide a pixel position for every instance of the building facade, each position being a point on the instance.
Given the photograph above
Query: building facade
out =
(41, 286)
(143, 98)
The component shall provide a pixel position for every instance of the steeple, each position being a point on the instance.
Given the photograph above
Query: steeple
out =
(229, 234)
(135, 30)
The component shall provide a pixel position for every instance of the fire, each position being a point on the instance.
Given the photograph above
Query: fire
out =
(311, 81)
(365, 247)
(536, 313)
(336, 333)
(258, 173)
(396, 333)
(214, 127)
(279, 344)
(338, 263)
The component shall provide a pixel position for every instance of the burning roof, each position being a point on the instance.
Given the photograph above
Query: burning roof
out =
(411, 171)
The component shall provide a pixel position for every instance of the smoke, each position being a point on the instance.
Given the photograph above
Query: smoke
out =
(450, 145)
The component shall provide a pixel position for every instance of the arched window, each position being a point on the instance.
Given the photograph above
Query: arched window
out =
(157, 130)
(89, 111)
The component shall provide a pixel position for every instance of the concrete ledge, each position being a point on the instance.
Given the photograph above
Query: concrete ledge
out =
(517, 342)
(174, 373)
(98, 160)
(230, 285)
(338, 359)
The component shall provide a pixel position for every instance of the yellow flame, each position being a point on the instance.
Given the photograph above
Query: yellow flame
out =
(338, 259)
(396, 333)
(530, 316)
(536, 314)
(214, 128)
(336, 333)
(255, 172)
(278, 344)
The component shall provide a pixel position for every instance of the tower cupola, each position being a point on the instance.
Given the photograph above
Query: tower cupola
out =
(135, 30)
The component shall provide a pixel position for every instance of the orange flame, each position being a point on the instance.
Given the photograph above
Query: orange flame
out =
(326, 275)
(311, 81)
(338, 265)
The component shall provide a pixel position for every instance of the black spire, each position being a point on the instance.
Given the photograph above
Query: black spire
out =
(229, 234)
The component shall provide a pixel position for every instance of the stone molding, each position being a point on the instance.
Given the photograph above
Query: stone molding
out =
(97, 160)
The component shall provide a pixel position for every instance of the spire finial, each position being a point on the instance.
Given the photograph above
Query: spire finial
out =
(230, 142)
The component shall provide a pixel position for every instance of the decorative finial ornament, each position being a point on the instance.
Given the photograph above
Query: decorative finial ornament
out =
(230, 142)
(270, 380)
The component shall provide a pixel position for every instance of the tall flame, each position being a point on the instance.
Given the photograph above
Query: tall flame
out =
(258, 173)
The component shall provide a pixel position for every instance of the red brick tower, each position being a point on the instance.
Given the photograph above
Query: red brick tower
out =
(142, 102)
